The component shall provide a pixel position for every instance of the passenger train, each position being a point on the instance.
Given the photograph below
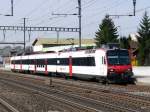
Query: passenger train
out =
(105, 65)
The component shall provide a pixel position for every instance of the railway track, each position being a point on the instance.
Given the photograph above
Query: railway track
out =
(72, 106)
(83, 104)
(8, 107)
(126, 100)
(103, 95)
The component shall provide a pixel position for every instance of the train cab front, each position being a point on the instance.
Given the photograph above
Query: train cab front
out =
(119, 66)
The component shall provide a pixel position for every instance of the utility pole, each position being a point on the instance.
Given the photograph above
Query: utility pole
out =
(79, 7)
(12, 9)
(24, 30)
(134, 10)
(79, 15)
(57, 37)
(134, 5)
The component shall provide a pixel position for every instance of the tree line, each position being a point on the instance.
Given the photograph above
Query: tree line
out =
(107, 33)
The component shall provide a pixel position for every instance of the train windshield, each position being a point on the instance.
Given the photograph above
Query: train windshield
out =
(118, 57)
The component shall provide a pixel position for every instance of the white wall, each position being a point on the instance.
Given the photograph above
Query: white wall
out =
(37, 48)
(142, 71)
(142, 74)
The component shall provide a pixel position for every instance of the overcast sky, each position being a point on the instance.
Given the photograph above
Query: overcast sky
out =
(39, 13)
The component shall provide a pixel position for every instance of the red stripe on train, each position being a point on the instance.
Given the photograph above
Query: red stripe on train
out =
(46, 72)
(70, 66)
(34, 66)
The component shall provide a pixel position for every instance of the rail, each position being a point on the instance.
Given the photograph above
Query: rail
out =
(8, 106)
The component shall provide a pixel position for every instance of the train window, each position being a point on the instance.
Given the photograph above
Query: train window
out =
(33, 62)
(52, 61)
(117, 53)
(40, 62)
(29, 62)
(104, 60)
(90, 61)
(58, 61)
(83, 61)
(12, 62)
(64, 61)
(118, 57)
(17, 61)
(24, 62)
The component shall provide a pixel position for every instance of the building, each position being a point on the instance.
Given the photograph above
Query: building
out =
(134, 49)
(51, 44)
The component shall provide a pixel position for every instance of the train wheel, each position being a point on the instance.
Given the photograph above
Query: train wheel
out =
(67, 77)
(105, 81)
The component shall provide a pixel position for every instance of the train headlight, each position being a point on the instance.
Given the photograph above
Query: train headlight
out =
(129, 69)
(111, 70)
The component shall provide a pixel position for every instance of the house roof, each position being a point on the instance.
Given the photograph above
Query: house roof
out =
(64, 41)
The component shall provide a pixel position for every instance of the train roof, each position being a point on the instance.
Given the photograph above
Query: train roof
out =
(89, 49)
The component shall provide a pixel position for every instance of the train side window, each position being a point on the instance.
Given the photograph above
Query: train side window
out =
(51, 61)
(58, 62)
(104, 60)
(83, 61)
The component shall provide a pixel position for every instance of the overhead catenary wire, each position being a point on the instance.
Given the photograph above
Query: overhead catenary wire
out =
(59, 20)
(90, 3)
(29, 14)
(73, 8)
(106, 8)
(41, 4)
(137, 11)
(50, 18)
(92, 18)
(56, 18)
(101, 11)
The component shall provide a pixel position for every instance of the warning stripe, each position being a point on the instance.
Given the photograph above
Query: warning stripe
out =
(34, 66)
(70, 66)
(46, 72)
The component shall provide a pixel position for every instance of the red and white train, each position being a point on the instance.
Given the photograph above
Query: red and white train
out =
(106, 65)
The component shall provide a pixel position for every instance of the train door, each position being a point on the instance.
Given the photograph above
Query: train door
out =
(103, 65)
(20, 63)
(35, 65)
(14, 64)
(57, 64)
(102, 68)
